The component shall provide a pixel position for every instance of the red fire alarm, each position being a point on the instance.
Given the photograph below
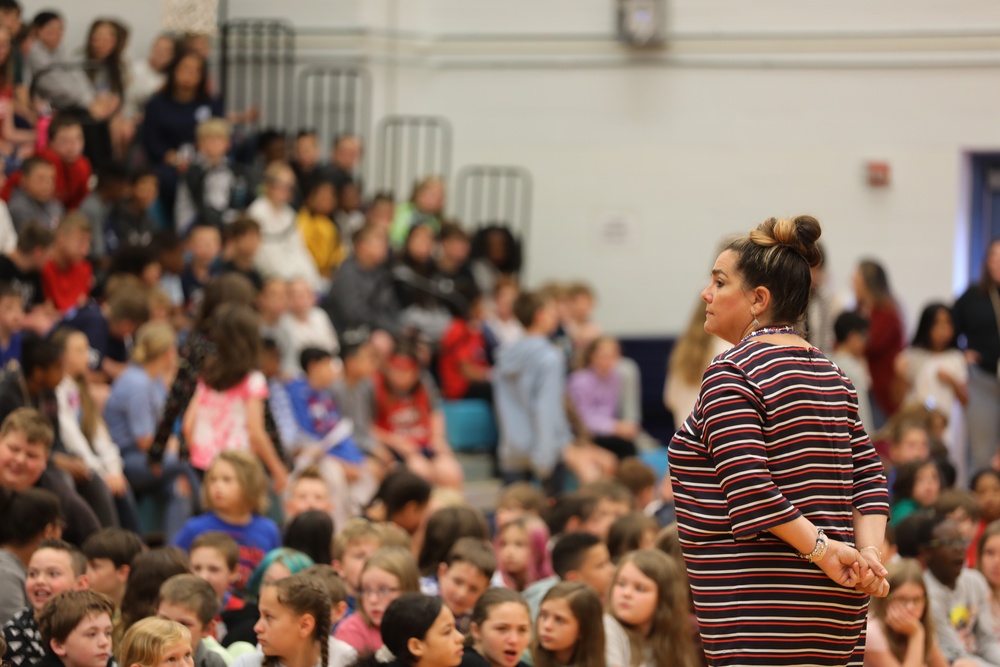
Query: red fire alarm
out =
(878, 174)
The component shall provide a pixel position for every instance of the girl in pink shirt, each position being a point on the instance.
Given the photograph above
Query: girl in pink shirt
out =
(227, 409)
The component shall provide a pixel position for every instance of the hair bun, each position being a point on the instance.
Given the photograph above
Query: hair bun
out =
(800, 233)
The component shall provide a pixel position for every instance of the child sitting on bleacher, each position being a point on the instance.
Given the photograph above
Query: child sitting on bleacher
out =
(408, 420)
(34, 199)
(212, 190)
(462, 362)
(595, 391)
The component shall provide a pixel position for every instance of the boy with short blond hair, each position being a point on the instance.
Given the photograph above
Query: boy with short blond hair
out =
(192, 602)
(357, 540)
(56, 566)
(213, 189)
(75, 628)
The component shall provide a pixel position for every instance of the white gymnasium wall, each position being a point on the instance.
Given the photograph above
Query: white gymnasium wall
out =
(764, 108)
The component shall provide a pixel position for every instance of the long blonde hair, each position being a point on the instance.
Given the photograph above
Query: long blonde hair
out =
(669, 637)
(693, 352)
(147, 640)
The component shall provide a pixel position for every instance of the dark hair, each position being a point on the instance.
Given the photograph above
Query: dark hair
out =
(311, 532)
(401, 487)
(625, 534)
(922, 337)
(229, 288)
(570, 550)
(63, 612)
(527, 305)
(242, 226)
(32, 163)
(140, 173)
(201, 92)
(10, 6)
(149, 571)
(985, 472)
(38, 354)
(411, 615)
(494, 597)
(511, 262)
(312, 355)
(44, 18)
(192, 593)
(778, 255)
(906, 477)
(451, 230)
(444, 528)
(118, 545)
(585, 606)
(166, 241)
(306, 595)
(305, 132)
(849, 322)
(236, 336)
(24, 515)
(34, 236)
(567, 506)
(61, 122)
(876, 281)
(133, 260)
(916, 531)
(111, 65)
(477, 553)
(115, 172)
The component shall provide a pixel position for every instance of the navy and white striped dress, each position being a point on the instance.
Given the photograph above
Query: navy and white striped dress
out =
(775, 434)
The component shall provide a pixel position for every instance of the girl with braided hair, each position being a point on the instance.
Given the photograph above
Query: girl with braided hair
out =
(294, 627)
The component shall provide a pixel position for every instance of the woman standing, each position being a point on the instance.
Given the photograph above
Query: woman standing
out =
(774, 477)
(977, 319)
(885, 336)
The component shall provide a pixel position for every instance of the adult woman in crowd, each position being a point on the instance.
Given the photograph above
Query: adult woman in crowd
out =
(172, 116)
(977, 319)
(230, 288)
(885, 336)
(67, 88)
(774, 470)
(104, 52)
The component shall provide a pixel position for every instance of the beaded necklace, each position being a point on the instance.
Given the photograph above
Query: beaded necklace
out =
(770, 331)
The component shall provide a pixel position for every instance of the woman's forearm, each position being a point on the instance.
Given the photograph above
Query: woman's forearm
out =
(869, 530)
(799, 533)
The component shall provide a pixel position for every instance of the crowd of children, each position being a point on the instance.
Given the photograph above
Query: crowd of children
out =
(222, 410)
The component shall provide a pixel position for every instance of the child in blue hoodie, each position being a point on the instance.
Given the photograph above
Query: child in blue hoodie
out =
(529, 386)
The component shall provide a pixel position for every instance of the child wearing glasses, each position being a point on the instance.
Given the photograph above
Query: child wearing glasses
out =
(388, 573)
(900, 631)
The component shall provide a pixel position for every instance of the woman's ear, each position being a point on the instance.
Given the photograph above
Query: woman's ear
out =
(474, 631)
(760, 300)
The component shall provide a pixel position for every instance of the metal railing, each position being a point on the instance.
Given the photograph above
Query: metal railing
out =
(411, 148)
(334, 100)
(257, 69)
(494, 194)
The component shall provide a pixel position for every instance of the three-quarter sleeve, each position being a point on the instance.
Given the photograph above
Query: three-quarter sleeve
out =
(732, 414)
(870, 493)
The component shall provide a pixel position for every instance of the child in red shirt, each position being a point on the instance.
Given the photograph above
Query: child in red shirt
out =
(409, 421)
(65, 153)
(67, 276)
(462, 363)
